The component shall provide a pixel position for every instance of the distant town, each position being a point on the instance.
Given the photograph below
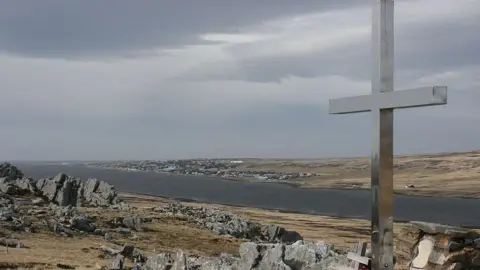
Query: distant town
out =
(204, 167)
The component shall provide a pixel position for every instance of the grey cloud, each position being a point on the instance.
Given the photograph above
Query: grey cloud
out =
(267, 130)
(91, 28)
(425, 48)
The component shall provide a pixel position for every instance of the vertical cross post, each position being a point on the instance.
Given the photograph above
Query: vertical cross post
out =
(382, 139)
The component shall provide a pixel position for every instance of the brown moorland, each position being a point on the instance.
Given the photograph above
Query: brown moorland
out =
(170, 234)
(445, 174)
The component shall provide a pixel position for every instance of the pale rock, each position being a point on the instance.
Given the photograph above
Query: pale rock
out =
(132, 222)
(118, 262)
(161, 261)
(272, 259)
(180, 261)
(82, 223)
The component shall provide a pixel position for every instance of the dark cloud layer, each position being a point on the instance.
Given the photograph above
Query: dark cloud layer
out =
(426, 48)
(91, 28)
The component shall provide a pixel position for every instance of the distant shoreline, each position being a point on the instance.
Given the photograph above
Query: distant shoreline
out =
(235, 179)
(406, 192)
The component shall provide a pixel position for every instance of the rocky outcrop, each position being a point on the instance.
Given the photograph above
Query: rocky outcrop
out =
(12, 181)
(65, 190)
(301, 255)
(226, 223)
(62, 189)
(9, 172)
(436, 246)
(97, 193)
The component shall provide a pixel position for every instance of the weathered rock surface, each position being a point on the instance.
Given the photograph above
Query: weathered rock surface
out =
(437, 246)
(97, 193)
(82, 223)
(301, 255)
(65, 190)
(118, 262)
(161, 261)
(62, 189)
(227, 223)
(10, 172)
(12, 180)
(133, 222)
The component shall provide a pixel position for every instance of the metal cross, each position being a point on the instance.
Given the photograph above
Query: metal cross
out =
(381, 103)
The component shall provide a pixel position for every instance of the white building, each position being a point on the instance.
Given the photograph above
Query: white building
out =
(236, 161)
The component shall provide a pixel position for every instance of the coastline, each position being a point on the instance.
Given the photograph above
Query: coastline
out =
(462, 194)
(265, 209)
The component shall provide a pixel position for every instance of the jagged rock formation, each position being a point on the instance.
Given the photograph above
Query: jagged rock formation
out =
(226, 223)
(62, 189)
(301, 255)
(10, 172)
(65, 190)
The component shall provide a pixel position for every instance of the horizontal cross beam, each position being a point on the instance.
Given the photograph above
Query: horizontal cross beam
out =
(419, 97)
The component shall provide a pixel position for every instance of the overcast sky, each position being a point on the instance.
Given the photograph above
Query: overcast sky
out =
(89, 79)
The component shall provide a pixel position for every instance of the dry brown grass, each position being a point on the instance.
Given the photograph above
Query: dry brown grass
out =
(452, 174)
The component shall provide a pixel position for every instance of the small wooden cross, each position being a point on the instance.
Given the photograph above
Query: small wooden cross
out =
(358, 257)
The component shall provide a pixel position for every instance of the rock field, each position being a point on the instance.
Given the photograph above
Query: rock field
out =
(60, 206)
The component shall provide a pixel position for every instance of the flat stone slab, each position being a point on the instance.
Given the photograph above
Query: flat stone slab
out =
(434, 228)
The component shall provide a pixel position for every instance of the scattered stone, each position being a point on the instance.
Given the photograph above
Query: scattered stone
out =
(58, 228)
(9, 242)
(127, 250)
(300, 256)
(437, 246)
(161, 261)
(476, 243)
(5, 200)
(109, 251)
(36, 212)
(180, 261)
(123, 231)
(227, 223)
(123, 206)
(21, 224)
(82, 223)
(64, 266)
(277, 234)
(132, 222)
(108, 237)
(38, 201)
(138, 257)
(6, 187)
(99, 267)
(63, 211)
(118, 262)
(6, 213)
(101, 232)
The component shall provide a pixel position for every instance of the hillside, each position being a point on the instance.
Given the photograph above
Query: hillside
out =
(449, 174)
